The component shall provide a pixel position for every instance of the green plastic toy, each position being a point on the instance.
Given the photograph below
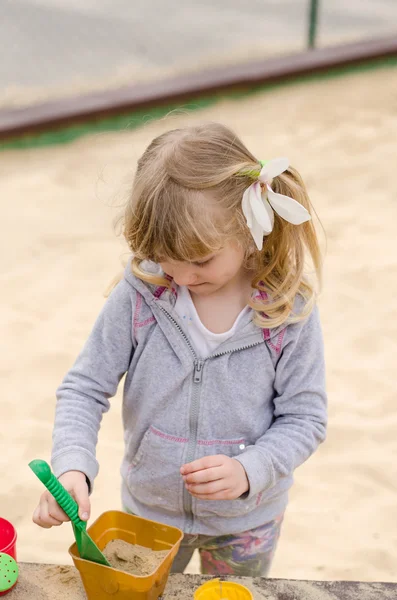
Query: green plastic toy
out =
(8, 573)
(87, 548)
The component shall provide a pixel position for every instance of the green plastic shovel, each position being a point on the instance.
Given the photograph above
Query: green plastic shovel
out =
(86, 546)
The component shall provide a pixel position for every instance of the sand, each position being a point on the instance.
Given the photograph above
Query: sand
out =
(58, 253)
(51, 582)
(132, 558)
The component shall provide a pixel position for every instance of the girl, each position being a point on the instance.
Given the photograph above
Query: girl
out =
(215, 326)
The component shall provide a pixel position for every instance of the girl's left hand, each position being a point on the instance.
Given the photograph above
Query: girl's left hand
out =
(216, 477)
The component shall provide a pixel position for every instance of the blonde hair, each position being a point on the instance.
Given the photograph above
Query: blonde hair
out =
(186, 204)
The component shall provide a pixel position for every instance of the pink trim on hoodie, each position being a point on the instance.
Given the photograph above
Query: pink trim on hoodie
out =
(279, 343)
(182, 440)
(266, 332)
(136, 323)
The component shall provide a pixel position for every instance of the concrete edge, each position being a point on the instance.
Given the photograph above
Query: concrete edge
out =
(20, 121)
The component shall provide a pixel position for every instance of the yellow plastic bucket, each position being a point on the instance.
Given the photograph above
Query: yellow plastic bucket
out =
(225, 590)
(103, 583)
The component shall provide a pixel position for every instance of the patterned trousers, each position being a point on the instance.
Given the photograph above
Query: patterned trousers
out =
(248, 554)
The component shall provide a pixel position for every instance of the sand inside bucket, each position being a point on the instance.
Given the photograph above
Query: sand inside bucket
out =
(132, 558)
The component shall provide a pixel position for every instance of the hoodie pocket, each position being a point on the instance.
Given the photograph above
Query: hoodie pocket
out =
(223, 508)
(153, 477)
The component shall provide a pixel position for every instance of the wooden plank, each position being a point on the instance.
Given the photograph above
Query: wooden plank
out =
(56, 582)
(19, 121)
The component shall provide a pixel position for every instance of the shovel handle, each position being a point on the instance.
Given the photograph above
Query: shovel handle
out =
(55, 487)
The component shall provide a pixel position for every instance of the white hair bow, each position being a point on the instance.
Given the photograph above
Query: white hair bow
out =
(259, 202)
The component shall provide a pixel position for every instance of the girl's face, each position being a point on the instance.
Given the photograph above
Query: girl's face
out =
(209, 274)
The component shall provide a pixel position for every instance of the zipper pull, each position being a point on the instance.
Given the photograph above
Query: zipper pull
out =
(198, 371)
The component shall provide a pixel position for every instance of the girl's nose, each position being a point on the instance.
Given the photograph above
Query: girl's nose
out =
(184, 277)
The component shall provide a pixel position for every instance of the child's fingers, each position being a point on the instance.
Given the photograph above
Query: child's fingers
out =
(47, 516)
(203, 463)
(42, 517)
(49, 513)
(83, 500)
(55, 511)
(76, 484)
(36, 518)
(212, 487)
(203, 476)
(220, 495)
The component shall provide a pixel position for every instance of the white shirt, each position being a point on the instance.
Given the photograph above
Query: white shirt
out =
(205, 342)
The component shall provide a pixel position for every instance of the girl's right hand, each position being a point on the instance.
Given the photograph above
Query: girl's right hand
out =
(49, 513)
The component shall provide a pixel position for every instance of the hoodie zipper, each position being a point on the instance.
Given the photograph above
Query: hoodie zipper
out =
(179, 328)
(193, 416)
(235, 349)
(194, 407)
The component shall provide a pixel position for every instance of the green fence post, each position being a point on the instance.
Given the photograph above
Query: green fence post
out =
(313, 17)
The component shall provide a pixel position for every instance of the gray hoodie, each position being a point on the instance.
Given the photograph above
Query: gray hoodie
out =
(260, 398)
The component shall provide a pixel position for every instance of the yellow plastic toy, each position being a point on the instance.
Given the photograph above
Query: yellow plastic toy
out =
(222, 590)
(102, 583)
